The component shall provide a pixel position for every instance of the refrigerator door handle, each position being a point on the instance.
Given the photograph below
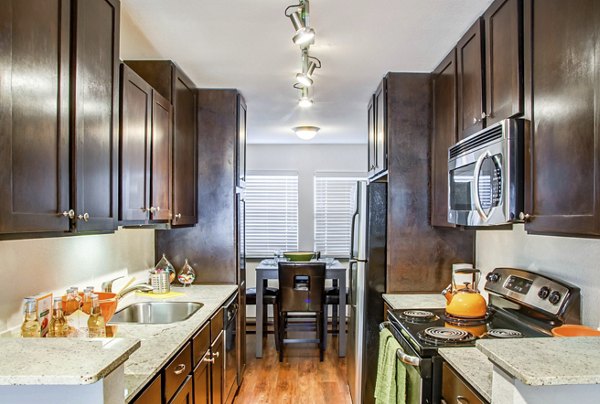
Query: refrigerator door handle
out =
(352, 234)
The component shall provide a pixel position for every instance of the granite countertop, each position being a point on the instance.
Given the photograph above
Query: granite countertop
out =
(547, 361)
(64, 361)
(160, 342)
(473, 366)
(415, 301)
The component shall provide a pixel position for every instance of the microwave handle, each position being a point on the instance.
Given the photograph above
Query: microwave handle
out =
(476, 183)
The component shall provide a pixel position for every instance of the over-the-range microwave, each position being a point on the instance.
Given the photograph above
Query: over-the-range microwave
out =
(485, 175)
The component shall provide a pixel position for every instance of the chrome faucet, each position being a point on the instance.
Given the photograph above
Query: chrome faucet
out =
(107, 286)
(144, 287)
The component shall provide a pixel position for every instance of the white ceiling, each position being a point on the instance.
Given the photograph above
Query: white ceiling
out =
(246, 44)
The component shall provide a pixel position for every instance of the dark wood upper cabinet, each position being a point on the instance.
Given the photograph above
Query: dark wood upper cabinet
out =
(372, 155)
(381, 127)
(145, 152)
(94, 134)
(563, 49)
(162, 154)
(504, 60)
(134, 150)
(173, 84)
(470, 81)
(443, 136)
(34, 120)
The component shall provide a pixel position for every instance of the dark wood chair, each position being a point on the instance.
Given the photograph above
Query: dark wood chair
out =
(332, 298)
(270, 297)
(301, 290)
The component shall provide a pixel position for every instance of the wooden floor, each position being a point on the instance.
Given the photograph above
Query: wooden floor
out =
(300, 378)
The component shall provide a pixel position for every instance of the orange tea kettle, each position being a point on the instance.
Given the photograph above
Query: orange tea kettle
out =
(464, 300)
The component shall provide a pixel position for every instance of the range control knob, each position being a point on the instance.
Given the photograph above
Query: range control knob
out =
(544, 292)
(493, 277)
(554, 297)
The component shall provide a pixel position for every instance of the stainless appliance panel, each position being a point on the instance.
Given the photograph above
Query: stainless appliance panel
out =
(231, 342)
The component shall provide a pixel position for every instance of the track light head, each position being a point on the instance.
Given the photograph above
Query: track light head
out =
(305, 102)
(304, 79)
(304, 36)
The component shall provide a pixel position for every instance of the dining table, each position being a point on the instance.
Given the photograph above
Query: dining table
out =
(268, 269)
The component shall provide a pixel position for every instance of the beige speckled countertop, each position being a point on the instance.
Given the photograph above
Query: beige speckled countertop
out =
(473, 366)
(415, 301)
(546, 361)
(160, 342)
(61, 361)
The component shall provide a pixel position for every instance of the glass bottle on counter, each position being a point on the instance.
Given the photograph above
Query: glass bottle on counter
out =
(72, 301)
(86, 305)
(187, 275)
(31, 326)
(96, 324)
(58, 324)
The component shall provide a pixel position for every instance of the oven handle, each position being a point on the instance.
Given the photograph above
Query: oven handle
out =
(476, 183)
(402, 356)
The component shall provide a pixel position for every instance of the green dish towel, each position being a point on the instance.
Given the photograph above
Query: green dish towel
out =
(390, 386)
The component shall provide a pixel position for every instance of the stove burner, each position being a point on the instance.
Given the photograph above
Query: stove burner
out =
(466, 321)
(441, 335)
(503, 333)
(418, 316)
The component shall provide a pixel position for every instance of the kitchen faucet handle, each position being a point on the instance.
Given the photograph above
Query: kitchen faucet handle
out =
(107, 286)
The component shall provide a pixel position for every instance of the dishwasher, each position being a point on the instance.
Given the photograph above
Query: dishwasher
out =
(229, 325)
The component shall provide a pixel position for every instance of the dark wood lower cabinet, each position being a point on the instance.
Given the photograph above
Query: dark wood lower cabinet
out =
(202, 380)
(152, 394)
(184, 395)
(217, 369)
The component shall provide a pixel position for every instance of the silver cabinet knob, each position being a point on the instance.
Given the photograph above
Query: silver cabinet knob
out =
(474, 120)
(216, 354)
(178, 216)
(154, 209)
(484, 115)
(462, 400)
(68, 213)
(144, 209)
(158, 209)
(85, 217)
(524, 216)
(179, 369)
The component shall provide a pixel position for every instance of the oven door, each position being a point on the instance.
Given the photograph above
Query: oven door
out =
(419, 371)
(476, 183)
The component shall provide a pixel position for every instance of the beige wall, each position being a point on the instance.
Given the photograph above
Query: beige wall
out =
(30, 267)
(575, 260)
(134, 44)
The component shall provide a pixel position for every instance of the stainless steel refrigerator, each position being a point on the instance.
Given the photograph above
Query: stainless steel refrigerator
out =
(367, 284)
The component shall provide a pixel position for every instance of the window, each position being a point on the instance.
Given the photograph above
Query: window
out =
(334, 207)
(271, 214)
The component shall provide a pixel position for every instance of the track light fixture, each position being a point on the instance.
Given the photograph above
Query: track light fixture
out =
(304, 35)
(308, 69)
(306, 132)
(305, 101)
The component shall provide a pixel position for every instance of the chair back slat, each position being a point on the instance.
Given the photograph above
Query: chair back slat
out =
(302, 286)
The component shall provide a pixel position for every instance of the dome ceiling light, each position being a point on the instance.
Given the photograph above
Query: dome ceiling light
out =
(306, 132)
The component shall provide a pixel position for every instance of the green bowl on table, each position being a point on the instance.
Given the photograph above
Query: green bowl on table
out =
(299, 255)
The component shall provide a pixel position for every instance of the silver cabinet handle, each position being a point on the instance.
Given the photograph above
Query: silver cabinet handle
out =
(85, 217)
(209, 360)
(178, 216)
(68, 213)
(462, 400)
(475, 120)
(179, 369)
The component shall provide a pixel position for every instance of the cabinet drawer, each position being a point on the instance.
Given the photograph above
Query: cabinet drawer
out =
(177, 370)
(151, 394)
(455, 390)
(216, 325)
(201, 343)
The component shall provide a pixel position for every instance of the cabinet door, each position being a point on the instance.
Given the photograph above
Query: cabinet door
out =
(185, 394)
(95, 106)
(381, 127)
(504, 63)
(34, 115)
(202, 380)
(241, 142)
(564, 163)
(160, 189)
(134, 150)
(443, 136)
(152, 394)
(217, 369)
(470, 62)
(184, 150)
(372, 143)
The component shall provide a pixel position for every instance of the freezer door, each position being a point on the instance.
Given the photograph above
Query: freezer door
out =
(359, 223)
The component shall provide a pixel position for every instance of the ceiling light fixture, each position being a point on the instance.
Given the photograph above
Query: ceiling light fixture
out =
(305, 101)
(308, 69)
(304, 35)
(306, 132)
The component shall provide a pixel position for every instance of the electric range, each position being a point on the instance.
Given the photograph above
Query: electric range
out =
(522, 304)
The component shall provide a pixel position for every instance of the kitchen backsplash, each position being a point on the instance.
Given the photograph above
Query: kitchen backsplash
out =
(35, 266)
(575, 260)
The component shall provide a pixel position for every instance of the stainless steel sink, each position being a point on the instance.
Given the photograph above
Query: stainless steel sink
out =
(156, 312)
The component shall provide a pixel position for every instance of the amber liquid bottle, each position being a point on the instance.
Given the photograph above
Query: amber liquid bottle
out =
(96, 324)
(31, 326)
(58, 324)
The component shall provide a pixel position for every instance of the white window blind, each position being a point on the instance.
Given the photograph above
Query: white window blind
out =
(334, 207)
(271, 214)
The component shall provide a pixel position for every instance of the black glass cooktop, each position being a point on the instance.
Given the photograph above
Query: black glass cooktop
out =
(430, 329)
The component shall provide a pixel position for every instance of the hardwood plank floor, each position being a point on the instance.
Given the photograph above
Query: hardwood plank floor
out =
(299, 379)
